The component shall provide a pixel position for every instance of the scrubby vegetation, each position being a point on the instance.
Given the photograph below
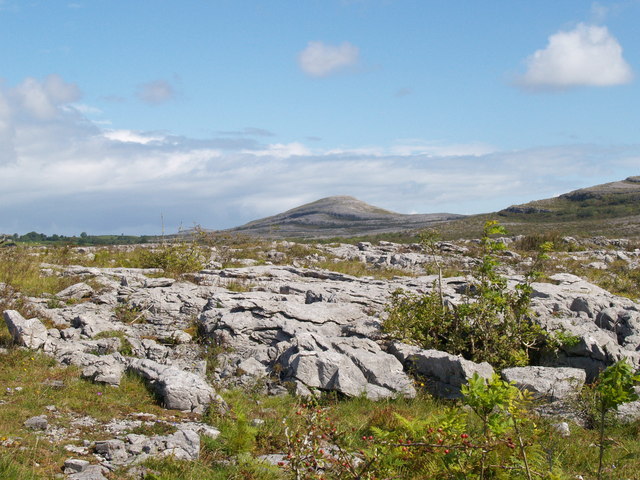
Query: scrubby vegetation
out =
(490, 325)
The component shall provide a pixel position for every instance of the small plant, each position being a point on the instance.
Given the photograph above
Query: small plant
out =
(429, 242)
(125, 346)
(54, 302)
(500, 406)
(614, 387)
(317, 449)
(127, 313)
(238, 286)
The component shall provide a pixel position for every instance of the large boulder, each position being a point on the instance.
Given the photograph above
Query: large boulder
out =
(98, 368)
(91, 324)
(182, 445)
(445, 373)
(30, 333)
(179, 389)
(605, 327)
(351, 366)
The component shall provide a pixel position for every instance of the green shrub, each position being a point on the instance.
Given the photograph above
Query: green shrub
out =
(175, 258)
(490, 324)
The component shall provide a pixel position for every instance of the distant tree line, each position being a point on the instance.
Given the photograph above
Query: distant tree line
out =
(82, 239)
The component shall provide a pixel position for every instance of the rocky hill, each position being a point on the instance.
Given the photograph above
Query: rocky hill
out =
(610, 209)
(615, 201)
(339, 216)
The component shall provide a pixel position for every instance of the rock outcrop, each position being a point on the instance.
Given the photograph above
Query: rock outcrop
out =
(304, 330)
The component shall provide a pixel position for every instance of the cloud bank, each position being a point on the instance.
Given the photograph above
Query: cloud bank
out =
(321, 60)
(61, 173)
(585, 56)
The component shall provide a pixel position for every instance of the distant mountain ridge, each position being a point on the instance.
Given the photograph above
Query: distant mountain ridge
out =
(614, 199)
(610, 209)
(339, 216)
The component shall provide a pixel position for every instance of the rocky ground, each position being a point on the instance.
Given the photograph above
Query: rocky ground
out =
(295, 328)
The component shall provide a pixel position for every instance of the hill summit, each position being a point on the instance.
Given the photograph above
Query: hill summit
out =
(339, 216)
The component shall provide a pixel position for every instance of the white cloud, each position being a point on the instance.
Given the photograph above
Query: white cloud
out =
(280, 150)
(416, 147)
(156, 92)
(87, 109)
(40, 99)
(585, 56)
(67, 175)
(130, 136)
(321, 60)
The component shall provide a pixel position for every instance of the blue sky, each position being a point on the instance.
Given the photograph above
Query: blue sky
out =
(113, 112)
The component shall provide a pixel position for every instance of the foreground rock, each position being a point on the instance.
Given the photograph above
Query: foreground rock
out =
(178, 389)
(29, 333)
(445, 373)
(551, 383)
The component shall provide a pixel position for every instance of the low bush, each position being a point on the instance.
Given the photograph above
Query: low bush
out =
(490, 324)
(175, 259)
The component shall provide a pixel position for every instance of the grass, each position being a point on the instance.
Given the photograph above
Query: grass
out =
(28, 455)
(359, 418)
(20, 269)
(618, 278)
(357, 268)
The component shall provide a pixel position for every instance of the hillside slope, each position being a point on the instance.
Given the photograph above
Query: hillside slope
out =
(339, 216)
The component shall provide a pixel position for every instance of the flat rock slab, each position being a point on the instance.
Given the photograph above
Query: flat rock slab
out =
(76, 292)
(558, 383)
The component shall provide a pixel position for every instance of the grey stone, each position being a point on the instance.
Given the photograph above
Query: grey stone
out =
(351, 366)
(378, 367)
(252, 367)
(553, 383)
(74, 465)
(312, 297)
(29, 333)
(112, 450)
(77, 292)
(92, 323)
(37, 423)
(445, 373)
(628, 412)
(183, 445)
(104, 369)
(562, 428)
(158, 282)
(180, 337)
(178, 389)
(278, 459)
(200, 429)
(92, 472)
